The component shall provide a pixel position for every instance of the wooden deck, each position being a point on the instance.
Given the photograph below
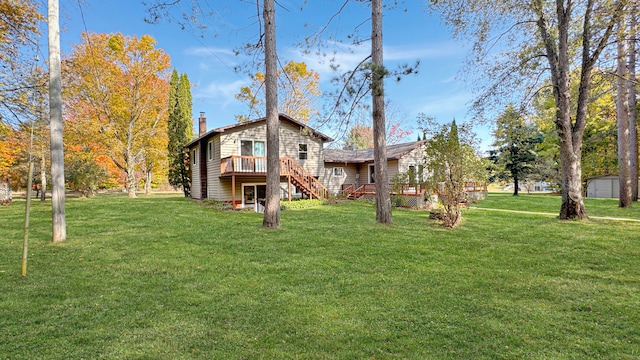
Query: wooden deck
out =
(296, 174)
(370, 189)
(350, 191)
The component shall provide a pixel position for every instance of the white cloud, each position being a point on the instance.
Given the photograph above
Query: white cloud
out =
(219, 92)
(444, 107)
(208, 51)
(212, 58)
(422, 51)
(348, 56)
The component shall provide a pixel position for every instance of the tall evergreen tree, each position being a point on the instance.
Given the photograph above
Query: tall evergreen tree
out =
(515, 146)
(179, 130)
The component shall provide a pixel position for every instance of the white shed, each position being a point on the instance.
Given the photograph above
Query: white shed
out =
(605, 186)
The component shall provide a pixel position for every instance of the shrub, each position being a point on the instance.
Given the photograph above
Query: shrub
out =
(301, 204)
(217, 205)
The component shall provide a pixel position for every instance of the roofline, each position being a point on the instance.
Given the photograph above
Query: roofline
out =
(416, 144)
(281, 116)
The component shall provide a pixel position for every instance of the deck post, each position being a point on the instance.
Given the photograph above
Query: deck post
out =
(233, 192)
(289, 186)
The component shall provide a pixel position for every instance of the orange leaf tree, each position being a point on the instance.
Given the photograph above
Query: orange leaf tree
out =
(117, 87)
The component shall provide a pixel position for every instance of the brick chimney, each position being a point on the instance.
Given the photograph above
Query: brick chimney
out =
(202, 122)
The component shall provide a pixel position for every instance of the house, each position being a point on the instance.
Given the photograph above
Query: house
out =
(605, 186)
(228, 164)
(348, 170)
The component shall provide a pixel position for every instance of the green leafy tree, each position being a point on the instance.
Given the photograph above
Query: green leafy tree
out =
(451, 161)
(599, 150)
(542, 38)
(515, 145)
(84, 174)
(179, 130)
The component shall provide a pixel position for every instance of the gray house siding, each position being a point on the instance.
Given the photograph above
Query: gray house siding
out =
(194, 157)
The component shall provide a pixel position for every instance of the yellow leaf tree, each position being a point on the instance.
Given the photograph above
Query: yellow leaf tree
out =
(298, 91)
(118, 87)
(19, 32)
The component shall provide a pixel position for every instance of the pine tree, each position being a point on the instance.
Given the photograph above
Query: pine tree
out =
(515, 145)
(179, 130)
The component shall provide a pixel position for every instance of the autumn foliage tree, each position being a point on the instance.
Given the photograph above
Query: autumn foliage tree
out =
(19, 84)
(19, 21)
(117, 87)
(298, 91)
(7, 151)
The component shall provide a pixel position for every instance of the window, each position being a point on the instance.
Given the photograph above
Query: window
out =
(412, 174)
(193, 156)
(210, 151)
(372, 174)
(252, 148)
(338, 171)
(302, 151)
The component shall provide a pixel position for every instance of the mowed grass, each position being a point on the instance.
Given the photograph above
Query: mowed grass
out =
(162, 277)
(551, 203)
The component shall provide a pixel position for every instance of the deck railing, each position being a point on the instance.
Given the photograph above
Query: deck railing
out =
(245, 165)
(406, 189)
(348, 189)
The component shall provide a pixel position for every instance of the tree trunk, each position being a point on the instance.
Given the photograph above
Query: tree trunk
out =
(572, 202)
(43, 175)
(59, 228)
(186, 184)
(272, 204)
(147, 182)
(570, 131)
(622, 112)
(516, 185)
(633, 110)
(131, 178)
(383, 198)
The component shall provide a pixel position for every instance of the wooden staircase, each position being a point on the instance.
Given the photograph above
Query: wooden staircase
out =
(302, 179)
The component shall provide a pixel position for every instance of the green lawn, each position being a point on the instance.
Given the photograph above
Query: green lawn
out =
(551, 203)
(162, 277)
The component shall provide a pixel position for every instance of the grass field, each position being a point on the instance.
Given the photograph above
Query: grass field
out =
(551, 203)
(162, 277)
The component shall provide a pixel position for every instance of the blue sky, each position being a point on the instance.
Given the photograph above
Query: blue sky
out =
(208, 58)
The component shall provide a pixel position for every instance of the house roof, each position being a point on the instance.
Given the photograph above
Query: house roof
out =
(394, 152)
(283, 117)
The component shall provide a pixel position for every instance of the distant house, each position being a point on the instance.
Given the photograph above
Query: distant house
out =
(605, 186)
(228, 164)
